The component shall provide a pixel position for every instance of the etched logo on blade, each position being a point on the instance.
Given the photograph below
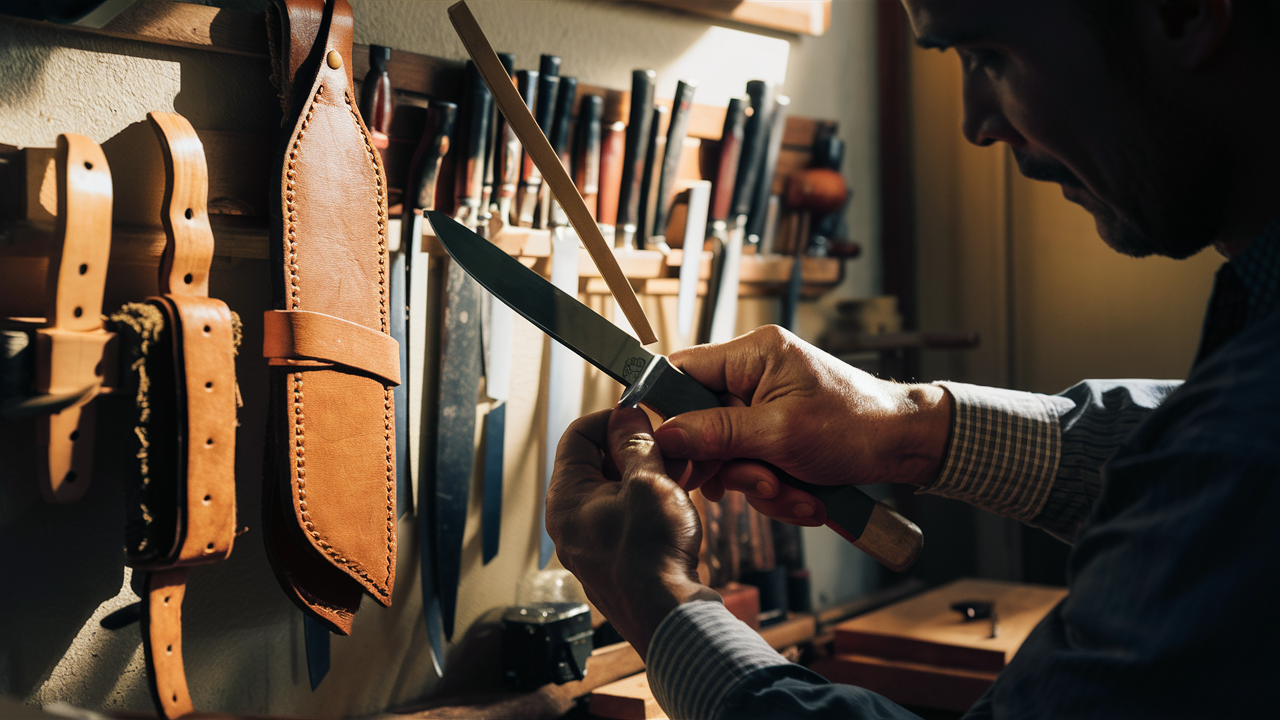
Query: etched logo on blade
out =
(632, 369)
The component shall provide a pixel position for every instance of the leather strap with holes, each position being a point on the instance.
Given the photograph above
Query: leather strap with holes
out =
(202, 395)
(329, 494)
(71, 346)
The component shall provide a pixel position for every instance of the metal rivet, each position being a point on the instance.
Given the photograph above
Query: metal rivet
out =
(335, 59)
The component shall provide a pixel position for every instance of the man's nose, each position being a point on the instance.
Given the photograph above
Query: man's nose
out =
(985, 122)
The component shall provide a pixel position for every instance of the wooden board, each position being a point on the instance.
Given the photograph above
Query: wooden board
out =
(914, 684)
(924, 629)
(627, 699)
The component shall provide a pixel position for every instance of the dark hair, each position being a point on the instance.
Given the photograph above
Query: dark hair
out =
(1115, 23)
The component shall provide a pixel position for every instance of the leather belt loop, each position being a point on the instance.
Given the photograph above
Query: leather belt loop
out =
(203, 361)
(302, 335)
(71, 351)
(162, 641)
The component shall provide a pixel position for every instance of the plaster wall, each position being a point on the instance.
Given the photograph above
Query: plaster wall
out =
(243, 639)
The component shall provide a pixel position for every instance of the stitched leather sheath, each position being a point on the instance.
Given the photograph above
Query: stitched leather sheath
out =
(329, 493)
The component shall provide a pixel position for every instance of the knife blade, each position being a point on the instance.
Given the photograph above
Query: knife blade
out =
(721, 202)
(634, 157)
(652, 380)
(681, 111)
(691, 260)
(460, 365)
(420, 195)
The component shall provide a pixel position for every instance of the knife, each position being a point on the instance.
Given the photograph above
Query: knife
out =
(681, 110)
(495, 149)
(690, 262)
(721, 202)
(376, 100)
(651, 379)
(769, 165)
(586, 152)
(725, 311)
(655, 146)
(527, 86)
(420, 194)
(612, 140)
(558, 135)
(545, 115)
(460, 365)
(634, 156)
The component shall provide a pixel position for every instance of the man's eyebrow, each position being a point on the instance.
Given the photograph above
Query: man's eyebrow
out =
(929, 41)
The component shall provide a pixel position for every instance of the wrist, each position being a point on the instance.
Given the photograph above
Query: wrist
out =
(926, 434)
(651, 602)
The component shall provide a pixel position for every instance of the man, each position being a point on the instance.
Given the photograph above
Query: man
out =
(1159, 117)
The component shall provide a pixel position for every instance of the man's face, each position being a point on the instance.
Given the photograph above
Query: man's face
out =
(1110, 128)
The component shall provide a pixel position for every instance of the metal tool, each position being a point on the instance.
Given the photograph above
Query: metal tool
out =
(652, 380)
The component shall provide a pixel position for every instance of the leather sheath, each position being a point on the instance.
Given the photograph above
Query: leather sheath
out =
(329, 489)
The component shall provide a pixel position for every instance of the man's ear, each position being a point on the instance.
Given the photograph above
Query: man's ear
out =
(1194, 29)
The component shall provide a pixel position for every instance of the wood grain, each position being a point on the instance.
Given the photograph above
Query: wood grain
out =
(553, 172)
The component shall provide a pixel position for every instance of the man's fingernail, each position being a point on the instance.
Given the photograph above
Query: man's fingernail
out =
(802, 510)
(764, 488)
(673, 441)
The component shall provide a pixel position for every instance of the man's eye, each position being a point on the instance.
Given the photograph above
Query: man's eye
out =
(983, 59)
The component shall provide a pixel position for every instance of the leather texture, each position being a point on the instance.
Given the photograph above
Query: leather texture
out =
(71, 347)
(189, 485)
(298, 335)
(162, 635)
(330, 489)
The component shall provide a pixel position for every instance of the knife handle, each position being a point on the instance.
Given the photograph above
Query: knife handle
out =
(549, 65)
(586, 154)
(612, 140)
(681, 107)
(768, 166)
(479, 105)
(434, 145)
(527, 85)
(754, 136)
(872, 526)
(568, 93)
(644, 223)
(727, 168)
(633, 163)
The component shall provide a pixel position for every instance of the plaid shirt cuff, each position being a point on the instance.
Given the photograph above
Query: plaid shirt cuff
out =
(1004, 449)
(699, 653)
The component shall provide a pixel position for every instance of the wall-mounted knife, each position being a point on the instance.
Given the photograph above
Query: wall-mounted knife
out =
(681, 111)
(725, 311)
(495, 149)
(769, 166)
(526, 171)
(586, 152)
(460, 365)
(652, 380)
(545, 115)
(656, 144)
(423, 370)
(634, 157)
(721, 203)
(613, 138)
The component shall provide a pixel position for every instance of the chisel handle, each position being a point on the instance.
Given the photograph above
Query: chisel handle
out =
(873, 527)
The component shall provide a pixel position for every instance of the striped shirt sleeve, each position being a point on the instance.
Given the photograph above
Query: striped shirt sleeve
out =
(1038, 458)
(1004, 449)
(699, 653)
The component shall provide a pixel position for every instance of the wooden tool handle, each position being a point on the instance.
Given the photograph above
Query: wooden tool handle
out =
(553, 172)
(727, 168)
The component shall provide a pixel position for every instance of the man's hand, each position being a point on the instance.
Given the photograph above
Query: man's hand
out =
(621, 525)
(808, 414)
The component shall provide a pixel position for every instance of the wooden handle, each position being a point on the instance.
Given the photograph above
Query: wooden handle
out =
(891, 539)
(553, 172)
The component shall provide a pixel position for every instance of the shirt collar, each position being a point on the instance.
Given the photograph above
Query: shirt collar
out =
(1258, 268)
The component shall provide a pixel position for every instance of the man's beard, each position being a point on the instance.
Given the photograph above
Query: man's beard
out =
(1179, 229)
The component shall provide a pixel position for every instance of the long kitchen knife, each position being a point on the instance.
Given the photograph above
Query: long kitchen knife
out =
(495, 149)
(725, 312)
(691, 261)
(612, 140)
(721, 202)
(545, 115)
(768, 167)
(460, 365)
(650, 379)
(681, 111)
(634, 157)
(420, 195)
